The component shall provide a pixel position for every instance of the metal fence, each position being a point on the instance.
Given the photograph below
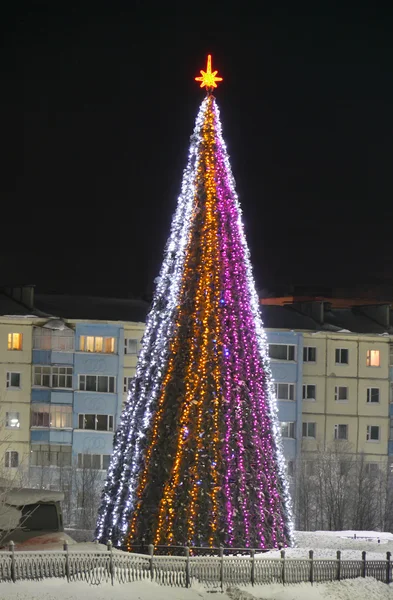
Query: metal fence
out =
(214, 571)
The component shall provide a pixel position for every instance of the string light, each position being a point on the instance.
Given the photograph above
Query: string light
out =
(197, 455)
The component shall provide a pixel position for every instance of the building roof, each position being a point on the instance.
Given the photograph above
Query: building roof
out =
(93, 307)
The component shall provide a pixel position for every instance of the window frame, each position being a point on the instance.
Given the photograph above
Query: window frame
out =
(368, 434)
(305, 430)
(291, 426)
(339, 350)
(126, 383)
(369, 361)
(126, 346)
(369, 395)
(305, 387)
(306, 353)
(8, 458)
(9, 375)
(53, 374)
(81, 460)
(337, 431)
(11, 343)
(110, 422)
(96, 391)
(8, 419)
(337, 389)
(288, 346)
(83, 344)
(290, 386)
(52, 410)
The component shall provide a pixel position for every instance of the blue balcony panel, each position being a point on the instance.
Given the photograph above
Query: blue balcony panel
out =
(287, 411)
(390, 448)
(61, 397)
(51, 436)
(96, 364)
(49, 357)
(391, 409)
(40, 395)
(284, 372)
(289, 447)
(92, 402)
(93, 442)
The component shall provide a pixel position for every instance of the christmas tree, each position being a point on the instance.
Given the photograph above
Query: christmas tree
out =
(197, 457)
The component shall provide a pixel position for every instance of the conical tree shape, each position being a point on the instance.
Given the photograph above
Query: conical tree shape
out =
(197, 455)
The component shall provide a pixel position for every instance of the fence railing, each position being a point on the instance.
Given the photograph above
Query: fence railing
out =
(215, 571)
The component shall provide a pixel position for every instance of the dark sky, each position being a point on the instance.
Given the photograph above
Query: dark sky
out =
(97, 106)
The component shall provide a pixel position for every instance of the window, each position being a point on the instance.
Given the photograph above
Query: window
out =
(13, 380)
(373, 358)
(285, 391)
(342, 356)
(60, 340)
(288, 429)
(55, 416)
(309, 391)
(291, 468)
(97, 383)
(11, 459)
(94, 461)
(131, 346)
(309, 430)
(12, 420)
(96, 422)
(127, 383)
(50, 455)
(341, 393)
(309, 354)
(372, 395)
(15, 341)
(372, 469)
(53, 377)
(341, 432)
(372, 433)
(281, 352)
(89, 343)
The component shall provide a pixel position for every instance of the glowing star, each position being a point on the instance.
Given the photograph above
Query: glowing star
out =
(208, 78)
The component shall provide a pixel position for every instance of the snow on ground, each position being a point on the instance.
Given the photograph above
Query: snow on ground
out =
(55, 589)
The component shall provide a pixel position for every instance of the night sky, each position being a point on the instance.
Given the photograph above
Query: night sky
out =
(97, 106)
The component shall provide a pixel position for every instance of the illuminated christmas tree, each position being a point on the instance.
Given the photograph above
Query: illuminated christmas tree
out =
(197, 457)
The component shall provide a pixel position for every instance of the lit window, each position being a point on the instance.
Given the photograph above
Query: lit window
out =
(15, 341)
(342, 356)
(309, 430)
(372, 395)
(12, 420)
(373, 358)
(285, 391)
(11, 459)
(372, 434)
(60, 340)
(13, 380)
(89, 343)
(309, 354)
(281, 352)
(130, 346)
(341, 393)
(288, 429)
(309, 391)
(54, 416)
(341, 432)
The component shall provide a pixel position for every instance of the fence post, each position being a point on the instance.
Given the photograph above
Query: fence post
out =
(11, 548)
(364, 568)
(311, 556)
(187, 552)
(283, 565)
(67, 557)
(388, 568)
(222, 567)
(252, 555)
(151, 554)
(109, 546)
(338, 565)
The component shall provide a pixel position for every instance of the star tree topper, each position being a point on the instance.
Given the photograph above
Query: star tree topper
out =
(208, 78)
